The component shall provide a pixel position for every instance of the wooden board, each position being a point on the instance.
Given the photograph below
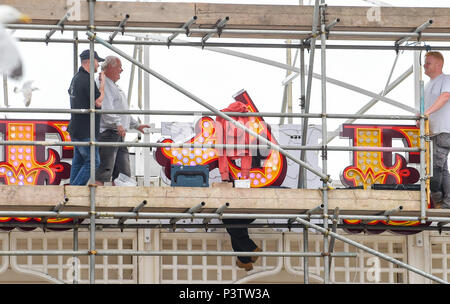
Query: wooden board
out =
(293, 17)
(180, 199)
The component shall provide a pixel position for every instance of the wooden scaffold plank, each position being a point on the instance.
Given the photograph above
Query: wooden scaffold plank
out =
(242, 16)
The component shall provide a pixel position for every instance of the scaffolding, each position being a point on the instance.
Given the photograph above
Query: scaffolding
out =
(321, 31)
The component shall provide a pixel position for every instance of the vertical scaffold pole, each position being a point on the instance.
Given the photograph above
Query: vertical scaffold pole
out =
(423, 175)
(288, 86)
(5, 91)
(133, 68)
(92, 149)
(147, 139)
(305, 258)
(304, 124)
(76, 262)
(301, 174)
(75, 52)
(324, 140)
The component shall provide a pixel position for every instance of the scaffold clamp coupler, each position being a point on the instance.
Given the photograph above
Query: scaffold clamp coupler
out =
(326, 180)
(92, 29)
(396, 47)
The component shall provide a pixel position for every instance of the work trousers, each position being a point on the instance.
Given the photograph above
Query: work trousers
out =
(240, 240)
(113, 160)
(440, 181)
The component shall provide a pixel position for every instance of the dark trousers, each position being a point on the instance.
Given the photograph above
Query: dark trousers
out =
(240, 240)
(113, 160)
(440, 181)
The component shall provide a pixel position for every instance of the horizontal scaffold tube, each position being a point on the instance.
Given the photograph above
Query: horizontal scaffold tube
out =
(155, 225)
(203, 146)
(170, 215)
(208, 113)
(168, 253)
(203, 31)
(246, 45)
(134, 225)
(223, 253)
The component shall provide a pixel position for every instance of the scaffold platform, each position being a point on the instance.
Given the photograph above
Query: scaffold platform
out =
(180, 199)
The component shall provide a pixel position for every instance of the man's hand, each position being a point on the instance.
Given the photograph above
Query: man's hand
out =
(142, 127)
(418, 120)
(99, 101)
(121, 131)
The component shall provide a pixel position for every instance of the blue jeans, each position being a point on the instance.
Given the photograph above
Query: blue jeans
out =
(81, 163)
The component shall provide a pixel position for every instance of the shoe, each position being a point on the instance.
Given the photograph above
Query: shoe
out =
(438, 206)
(246, 266)
(255, 258)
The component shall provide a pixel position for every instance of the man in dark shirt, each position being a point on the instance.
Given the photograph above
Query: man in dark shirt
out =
(79, 126)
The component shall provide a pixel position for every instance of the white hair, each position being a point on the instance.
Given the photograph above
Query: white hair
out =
(110, 61)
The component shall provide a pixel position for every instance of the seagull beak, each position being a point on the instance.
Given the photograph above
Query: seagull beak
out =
(25, 18)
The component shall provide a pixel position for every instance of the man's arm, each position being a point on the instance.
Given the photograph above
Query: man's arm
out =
(439, 103)
(134, 124)
(142, 127)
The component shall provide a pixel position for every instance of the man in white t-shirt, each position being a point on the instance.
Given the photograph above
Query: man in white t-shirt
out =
(437, 93)
(113, 127)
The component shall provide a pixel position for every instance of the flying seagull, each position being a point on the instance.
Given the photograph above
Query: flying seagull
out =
(10, 60)
(27, 90)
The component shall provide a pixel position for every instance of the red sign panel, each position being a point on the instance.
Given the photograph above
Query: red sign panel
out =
(33, 164)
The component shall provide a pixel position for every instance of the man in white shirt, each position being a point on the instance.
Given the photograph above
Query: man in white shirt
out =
(114, 127)
(437, 94)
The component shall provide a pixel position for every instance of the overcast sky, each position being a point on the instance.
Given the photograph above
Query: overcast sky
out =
(215, 78)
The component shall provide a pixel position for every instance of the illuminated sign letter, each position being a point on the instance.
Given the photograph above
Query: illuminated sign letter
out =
(380, 167)
(24, 165)
(269, 166)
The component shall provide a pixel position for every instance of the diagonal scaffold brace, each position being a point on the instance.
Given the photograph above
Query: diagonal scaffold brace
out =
(370, 250)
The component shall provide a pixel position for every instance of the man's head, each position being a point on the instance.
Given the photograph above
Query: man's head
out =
(434, 62)
(85, 60)
(112, 68)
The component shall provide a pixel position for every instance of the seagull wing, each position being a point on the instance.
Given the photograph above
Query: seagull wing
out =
(27, 85)
(10, 60)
